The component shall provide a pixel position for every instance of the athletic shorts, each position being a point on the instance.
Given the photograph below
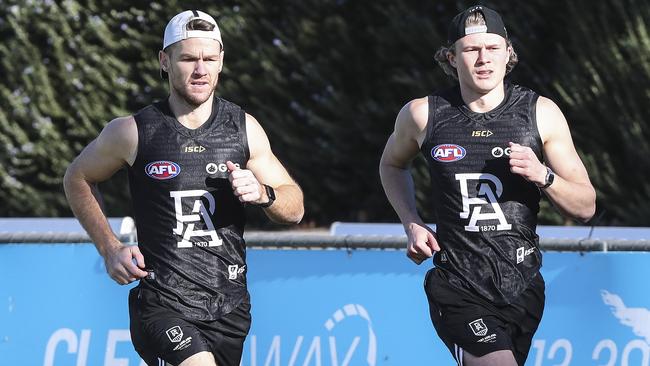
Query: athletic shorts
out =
(161, 336)
(468, 323)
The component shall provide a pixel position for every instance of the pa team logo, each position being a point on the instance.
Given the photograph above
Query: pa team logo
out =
(447, 153)
(162, 169)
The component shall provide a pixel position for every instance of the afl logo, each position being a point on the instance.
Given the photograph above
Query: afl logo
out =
(448, 153)
(162, 169)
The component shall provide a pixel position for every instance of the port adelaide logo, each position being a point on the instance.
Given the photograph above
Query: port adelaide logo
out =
(162, 169)
(447, 153)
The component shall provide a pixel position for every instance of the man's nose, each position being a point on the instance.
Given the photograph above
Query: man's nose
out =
(482, 55)
(200, 68)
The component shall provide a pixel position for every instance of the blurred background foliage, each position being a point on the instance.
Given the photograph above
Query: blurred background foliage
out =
(326, 79)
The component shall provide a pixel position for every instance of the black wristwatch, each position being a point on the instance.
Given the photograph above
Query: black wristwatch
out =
(271, 194)
(550, 176)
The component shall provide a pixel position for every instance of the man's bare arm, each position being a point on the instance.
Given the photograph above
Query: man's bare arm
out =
(288, 207)
(111, 150)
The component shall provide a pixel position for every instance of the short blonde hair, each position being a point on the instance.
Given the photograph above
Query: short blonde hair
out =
(474, 19)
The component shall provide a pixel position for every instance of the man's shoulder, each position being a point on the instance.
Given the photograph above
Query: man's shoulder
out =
(154, 108)
(449, 95)
(227, 104)
(416, 108)
(121, 123)
(446, 91)
(520, 89)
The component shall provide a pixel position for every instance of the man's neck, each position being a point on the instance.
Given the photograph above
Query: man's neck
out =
(188, 115)
(483, 102)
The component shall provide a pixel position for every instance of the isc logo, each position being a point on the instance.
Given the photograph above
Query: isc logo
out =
(482, 133)
(162, 169)
(194, 149)
(447, 153)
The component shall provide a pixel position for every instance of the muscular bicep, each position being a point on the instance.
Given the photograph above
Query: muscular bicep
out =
(404, 143)
(559, 151)
(115, 147)
(262, 162)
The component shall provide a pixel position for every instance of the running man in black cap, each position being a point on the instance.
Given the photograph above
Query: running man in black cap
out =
(492, 149)
(193, 160)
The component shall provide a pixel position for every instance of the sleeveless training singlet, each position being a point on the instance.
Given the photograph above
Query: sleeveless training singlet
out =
(486, 215)
(190, 224)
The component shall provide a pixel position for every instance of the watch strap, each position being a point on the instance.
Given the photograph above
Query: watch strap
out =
(548, 180)
(270, 193)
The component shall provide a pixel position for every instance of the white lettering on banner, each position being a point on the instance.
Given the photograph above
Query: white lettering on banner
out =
(274, 350)
(80, 346)
(74, 345)
(611, 347)
(348, 354)
(314, 349)
(636, 344)
(606, 352)
(314, 353)
(198, 211)
(296, 349)
(114, 336)
(313, 356)
(558, 344)
(485, 196)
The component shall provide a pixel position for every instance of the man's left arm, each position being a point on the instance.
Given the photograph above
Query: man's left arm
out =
(571, 191)
(264, 168)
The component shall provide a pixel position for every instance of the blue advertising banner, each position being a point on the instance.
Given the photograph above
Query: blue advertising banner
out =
(58, 307)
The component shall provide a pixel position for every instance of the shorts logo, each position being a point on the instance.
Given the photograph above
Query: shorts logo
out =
(184, 344)
(447, 153)
(478, 327)
(488, 339)
(175, 334)
(162, 169)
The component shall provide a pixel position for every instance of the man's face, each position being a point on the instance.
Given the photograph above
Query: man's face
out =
(480, 61)
(193, 66)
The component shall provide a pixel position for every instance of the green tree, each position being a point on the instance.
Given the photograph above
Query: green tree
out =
(326, 80)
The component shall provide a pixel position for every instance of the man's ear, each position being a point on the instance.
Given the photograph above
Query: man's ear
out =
(451, 58)
(221, 58)
(163, 58)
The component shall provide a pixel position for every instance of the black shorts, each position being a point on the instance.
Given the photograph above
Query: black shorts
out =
(158, 333)
(467, 322)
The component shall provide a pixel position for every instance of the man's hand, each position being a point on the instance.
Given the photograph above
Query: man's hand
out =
(422, 242)
(245, 185)
(524, 162)
(125, 263)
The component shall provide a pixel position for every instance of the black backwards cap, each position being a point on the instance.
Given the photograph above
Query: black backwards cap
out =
(493, 24)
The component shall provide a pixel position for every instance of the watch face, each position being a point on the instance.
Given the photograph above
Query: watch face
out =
(549, 177)
(270, 192)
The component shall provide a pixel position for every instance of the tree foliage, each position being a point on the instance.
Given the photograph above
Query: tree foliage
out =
(326, 80)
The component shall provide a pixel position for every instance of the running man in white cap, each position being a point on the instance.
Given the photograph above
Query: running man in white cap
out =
(194, 160)
(492, 148)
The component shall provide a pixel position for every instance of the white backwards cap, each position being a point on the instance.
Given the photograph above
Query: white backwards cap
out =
(176, 30)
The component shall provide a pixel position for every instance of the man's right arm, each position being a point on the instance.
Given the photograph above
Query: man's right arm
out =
(111, 150)
(402, 147)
